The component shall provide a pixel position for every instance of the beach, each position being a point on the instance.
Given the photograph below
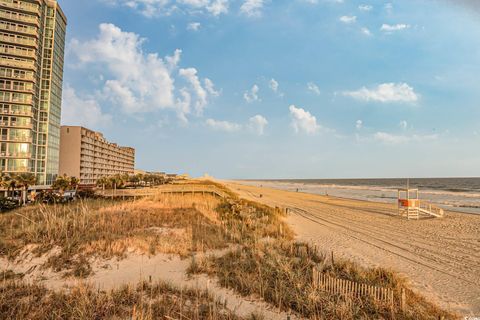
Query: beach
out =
(439, 257)
(453, 194)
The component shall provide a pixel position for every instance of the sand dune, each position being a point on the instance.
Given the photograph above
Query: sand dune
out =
(440, 257)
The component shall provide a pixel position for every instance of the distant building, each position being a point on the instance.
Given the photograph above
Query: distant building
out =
(86, 154)
(32, 42)
(157, 173)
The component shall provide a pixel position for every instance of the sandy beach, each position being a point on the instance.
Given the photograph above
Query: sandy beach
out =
(440, 257)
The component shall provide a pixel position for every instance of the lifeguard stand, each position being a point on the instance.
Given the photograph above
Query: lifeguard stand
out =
(408, 203)
(410, 206)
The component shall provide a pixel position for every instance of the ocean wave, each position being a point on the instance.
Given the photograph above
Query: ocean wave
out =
(461, 192)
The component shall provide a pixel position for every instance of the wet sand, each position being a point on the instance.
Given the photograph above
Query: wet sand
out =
(440, 257)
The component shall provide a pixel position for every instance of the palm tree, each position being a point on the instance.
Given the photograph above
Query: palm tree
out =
(74, 182)
(104, 182)
(119, 180)
(61, 183)
(9, 181)
(134, 179)
(25, 180)
(4, 182)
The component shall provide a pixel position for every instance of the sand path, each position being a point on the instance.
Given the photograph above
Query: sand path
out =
(440, 257)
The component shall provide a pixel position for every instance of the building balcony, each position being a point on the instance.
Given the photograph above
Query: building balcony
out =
(17, 113)
(14, 16)
(17, 125)
(17, 64)
(24, 6)
(15, 88)
(19, 155)
(17, 52)
(17, 29)
(12, 76)
(16, 40)
(22, 101)
(17, 139)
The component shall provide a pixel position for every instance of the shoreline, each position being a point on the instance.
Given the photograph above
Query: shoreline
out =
(274, 184)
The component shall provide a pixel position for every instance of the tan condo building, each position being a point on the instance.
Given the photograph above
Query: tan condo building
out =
(86, 154)
(32, 41)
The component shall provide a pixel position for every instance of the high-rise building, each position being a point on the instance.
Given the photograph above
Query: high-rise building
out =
(32, 42)
(87, 155)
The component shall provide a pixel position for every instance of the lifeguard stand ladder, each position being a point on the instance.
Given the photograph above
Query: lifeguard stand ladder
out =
(410, 206)
(408, 203)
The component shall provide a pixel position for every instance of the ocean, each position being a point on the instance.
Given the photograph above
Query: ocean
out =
(455, 194)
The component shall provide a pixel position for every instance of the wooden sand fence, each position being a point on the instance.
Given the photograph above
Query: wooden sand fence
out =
(353, 289)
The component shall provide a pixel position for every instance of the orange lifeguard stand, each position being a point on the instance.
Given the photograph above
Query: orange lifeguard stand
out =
(410, 206)
(408, 203)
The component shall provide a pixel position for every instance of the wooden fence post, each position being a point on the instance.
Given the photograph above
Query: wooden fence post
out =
(403, 301)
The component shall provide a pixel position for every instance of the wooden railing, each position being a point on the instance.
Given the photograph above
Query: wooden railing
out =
(349, 288)
(429, 208)
(167, 189)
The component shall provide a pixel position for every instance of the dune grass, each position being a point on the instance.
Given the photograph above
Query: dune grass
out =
(78, 231)
(146, 301)
(248, 222)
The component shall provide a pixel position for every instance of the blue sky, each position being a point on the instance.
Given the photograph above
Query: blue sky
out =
(280, 89)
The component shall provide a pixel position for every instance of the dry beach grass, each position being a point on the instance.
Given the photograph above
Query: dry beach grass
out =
(78, 231)
(145, 301)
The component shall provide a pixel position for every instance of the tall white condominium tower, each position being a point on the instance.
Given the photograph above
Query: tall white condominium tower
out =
(32, 42)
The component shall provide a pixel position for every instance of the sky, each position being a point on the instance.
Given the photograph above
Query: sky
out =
(264, 89)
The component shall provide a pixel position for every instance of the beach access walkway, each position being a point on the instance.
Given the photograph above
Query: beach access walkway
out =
(180, 189)
(440, 257)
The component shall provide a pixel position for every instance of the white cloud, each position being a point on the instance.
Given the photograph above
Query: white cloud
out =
(273, 84)
(183, 104)
(348, 19)
(313, 88)
(154, 8)
(148, 8)
(395, 27)
(82, 111)
(144, 80)
(194, 26)
(366, 31)
(388, 138)
(386, 92)
(252, 8)
(365, 7)
(359, 124)
(136, 81)
(218, 7)
(403, 124)
(194, 3)
(257, 124)
(190, 75)
(223, 125)
(210, 87)
(303, 121)
(252, 95)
